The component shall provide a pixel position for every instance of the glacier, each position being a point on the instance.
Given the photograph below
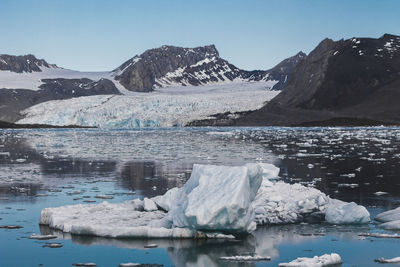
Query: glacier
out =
(165, 107)
(216, 202)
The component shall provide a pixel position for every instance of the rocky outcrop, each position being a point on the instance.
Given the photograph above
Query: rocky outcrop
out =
(357, 78)
(19, 64)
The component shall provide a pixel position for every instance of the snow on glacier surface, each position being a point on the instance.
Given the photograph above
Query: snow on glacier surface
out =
(32, 80)
(175, 106)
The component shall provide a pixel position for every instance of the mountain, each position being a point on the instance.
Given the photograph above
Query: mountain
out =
(26, 81)
(357, 79)
(19, 64)
(177, 66)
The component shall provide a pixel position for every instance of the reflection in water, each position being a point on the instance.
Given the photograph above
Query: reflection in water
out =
(148, 177)
(264, 242)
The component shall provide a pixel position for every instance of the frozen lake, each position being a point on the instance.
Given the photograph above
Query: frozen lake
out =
(46, 168)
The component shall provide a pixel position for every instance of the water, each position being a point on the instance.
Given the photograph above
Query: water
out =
(44, 168)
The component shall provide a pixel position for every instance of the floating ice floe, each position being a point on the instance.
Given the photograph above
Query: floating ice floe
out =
(324, 260)
(215, 200)
(245, 258)
(393, 260)
(390, 220)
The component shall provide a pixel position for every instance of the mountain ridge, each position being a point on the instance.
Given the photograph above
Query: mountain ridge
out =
(357, 78)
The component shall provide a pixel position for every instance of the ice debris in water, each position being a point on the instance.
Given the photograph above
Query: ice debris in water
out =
(324, 260)
(390, 220)
(245, 258)
(215, 199)
(393, 260)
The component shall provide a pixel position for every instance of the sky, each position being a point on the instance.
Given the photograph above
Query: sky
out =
(95, 35)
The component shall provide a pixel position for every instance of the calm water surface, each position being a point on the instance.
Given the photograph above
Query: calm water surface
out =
(45, 168)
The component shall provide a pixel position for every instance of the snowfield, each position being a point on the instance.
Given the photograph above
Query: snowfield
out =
(166, 107)
(32, 80)
(215, 199)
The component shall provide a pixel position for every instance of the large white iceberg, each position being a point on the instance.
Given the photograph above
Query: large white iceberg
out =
(215, 199)
(218, 198)
(390, 220)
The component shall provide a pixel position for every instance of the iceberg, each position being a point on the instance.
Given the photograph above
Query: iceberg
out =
(218, 198)
(390, 220)
(216, 202)
(393, 260)
(339, 212)
(317, 261)
(279, 202)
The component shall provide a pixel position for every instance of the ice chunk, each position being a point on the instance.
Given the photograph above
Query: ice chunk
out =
(388, 216)
(117, 220)
(218, 198)
(165, 201)
(393, 225)
(149, 205)
(285, 203)
(393, 260)
(324, 260)
(346, 213)
(245, 258)
(390, 219)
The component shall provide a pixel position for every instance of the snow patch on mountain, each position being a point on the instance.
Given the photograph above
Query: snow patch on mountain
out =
(33, 80)
(167, 107)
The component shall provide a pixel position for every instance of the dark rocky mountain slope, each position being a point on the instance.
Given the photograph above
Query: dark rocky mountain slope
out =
(19, 64)
(358, 78)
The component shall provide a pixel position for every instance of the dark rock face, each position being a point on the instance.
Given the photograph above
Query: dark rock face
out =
(171, 65)
(19, 64)
(283, 71)
(356, 78)
(12, 101)
(140, 73)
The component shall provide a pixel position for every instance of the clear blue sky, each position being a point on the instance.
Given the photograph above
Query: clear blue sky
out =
(251, 34)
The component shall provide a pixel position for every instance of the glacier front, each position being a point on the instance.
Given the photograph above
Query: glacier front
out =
(167, 107)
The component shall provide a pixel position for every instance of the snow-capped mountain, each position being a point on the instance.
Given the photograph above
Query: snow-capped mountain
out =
(357, 79)
(26, 81)
(176, 66)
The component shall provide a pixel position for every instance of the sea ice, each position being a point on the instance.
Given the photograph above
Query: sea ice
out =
(324, 260)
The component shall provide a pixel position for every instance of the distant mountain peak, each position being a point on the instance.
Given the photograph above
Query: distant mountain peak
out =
(176, 66)
(19, 64)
